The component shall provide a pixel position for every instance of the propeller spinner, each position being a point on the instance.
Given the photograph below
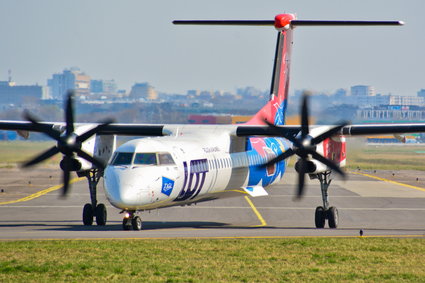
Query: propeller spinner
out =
(304, 146)
(68, 143)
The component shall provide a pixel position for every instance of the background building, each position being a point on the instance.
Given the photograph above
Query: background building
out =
(143, 90)
(362, 90)
(72, 79)
(103, 87)
(10, 93)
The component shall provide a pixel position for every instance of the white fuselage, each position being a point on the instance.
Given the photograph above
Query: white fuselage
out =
(204, 166)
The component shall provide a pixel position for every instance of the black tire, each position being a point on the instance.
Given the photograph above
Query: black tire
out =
(126, 224)
(88, 214)
(101, 214)
(333, 217)
(136, 223)
(320, 217)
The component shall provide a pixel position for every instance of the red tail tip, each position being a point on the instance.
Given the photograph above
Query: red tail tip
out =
(283, 20)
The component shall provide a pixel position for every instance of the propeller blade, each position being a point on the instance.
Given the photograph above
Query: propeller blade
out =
(40, 158)
(301, 178)
(99, 164)
(66, 178)
(93, 131)
(328, 134)
(280, 157)
(69, 113)
(327, 162)
(304, 117)
(40, 127)
(279, 132)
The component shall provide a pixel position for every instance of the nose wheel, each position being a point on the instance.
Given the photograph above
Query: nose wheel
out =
(131, 221)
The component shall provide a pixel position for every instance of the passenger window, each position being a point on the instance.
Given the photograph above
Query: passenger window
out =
(145, 159)
(165, 159)
(123, 158)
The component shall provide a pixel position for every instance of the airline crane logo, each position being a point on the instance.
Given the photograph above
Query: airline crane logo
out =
(167, 186)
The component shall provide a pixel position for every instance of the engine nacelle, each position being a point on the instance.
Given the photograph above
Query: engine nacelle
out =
(71, 164)
(313, 167)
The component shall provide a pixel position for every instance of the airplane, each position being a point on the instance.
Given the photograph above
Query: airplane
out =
(178, 165)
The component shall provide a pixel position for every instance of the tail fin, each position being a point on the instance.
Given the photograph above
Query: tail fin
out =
(274, 111)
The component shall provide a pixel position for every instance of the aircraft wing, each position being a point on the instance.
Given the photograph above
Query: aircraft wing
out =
(111, 129)
(349, 130)
(237, 130)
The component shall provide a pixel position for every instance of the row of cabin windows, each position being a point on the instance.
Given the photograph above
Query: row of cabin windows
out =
(257, 159)
(237, 160)
(220, 163)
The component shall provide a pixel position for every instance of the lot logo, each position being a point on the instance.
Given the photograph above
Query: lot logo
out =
(167, 186)
(193, 180)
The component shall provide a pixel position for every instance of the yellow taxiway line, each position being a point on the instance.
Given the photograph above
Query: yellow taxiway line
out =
(263, 222)
(389, 181)
(40, 193)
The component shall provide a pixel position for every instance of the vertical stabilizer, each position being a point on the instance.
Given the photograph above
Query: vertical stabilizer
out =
(274, 111)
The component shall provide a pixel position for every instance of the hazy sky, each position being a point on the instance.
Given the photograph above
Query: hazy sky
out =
(134, 41)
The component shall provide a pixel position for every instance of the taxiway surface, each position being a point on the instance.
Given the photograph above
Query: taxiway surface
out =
(379, 208)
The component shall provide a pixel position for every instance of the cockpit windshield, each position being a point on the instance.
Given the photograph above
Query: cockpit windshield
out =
(122, 158)
(145, 158)
(165, 159)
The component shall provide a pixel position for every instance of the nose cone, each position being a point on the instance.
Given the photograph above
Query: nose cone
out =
(128, 188)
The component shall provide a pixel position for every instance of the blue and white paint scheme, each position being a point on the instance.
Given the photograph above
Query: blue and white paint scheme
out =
(184, 170)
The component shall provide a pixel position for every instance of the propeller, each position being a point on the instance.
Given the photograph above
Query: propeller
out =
(69, 143)
(304, 146)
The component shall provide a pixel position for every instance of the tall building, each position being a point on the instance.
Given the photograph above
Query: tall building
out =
(72, 79)
(96, 86)
(103, 86)
(143, 90)
(362, 90)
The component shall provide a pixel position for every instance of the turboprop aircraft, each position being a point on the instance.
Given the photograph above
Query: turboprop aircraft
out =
(175, 165)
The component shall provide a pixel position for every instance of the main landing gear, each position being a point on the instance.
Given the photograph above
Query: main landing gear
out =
(325, 212)
(93, 210)
(131, 221)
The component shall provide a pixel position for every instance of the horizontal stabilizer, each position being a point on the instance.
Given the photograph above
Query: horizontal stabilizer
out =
(345, 23)
(256, 191)
(225, 22)
(293, 23)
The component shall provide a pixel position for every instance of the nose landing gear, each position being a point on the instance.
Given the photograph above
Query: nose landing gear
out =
(131, 221)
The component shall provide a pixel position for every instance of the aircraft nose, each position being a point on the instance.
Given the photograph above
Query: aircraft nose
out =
(124, 188)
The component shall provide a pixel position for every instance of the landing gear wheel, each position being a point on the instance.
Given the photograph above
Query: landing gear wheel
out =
(332, 217)
(101, 214)
(136, 222)
(88, 214)
(126, 224)
(320, 217)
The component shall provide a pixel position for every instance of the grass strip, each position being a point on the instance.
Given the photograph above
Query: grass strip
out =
(214, 260)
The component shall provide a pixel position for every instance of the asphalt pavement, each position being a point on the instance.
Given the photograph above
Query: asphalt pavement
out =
(379, 207)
